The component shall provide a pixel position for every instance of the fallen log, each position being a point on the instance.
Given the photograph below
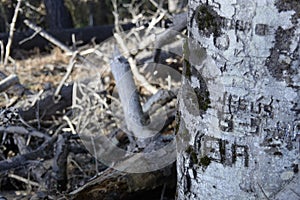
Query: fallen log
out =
(113, 184)
(84, 35)
(48, 107)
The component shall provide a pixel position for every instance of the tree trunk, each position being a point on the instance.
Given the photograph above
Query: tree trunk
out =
(58, 16)
(239, 129)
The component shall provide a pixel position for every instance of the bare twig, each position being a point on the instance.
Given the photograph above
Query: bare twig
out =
(155, 4)
(116, 16)
(263, 191)
(69, 70)
(29, 38)
(23, 131)
(66, 118)
(24, 180)
(134, 10)
(12, 101)
(157, 17)
(11, 32)
(154, 21)
(74, 42)
(2, 52)
(8, 82)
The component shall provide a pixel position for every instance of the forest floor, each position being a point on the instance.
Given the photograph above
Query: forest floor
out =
(55, 136)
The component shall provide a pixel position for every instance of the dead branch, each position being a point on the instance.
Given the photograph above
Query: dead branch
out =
(161, 98)
(44, 151)
(57, 43)
(24, 180)
(69, 70)
(24, 40)
(60, 163)
(11, 32)
(23, 131)
(47, 36)
(20, 141)
(17, 88)
(179, 23)
(133, 113)
(8, 82)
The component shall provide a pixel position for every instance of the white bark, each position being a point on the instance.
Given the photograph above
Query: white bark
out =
(239, 105)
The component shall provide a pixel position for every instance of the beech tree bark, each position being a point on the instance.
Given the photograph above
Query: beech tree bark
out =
(239, 105)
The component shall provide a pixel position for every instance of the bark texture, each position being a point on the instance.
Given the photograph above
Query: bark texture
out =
(239, 129)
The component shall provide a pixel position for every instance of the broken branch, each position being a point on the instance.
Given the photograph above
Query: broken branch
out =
(133, 113)
(8, 82)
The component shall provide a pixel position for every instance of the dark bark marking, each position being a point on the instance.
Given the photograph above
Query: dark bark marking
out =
(262, 29)
(240, 151)
(193, 155)
(205, 161)
(208, 21)
(279, 68)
